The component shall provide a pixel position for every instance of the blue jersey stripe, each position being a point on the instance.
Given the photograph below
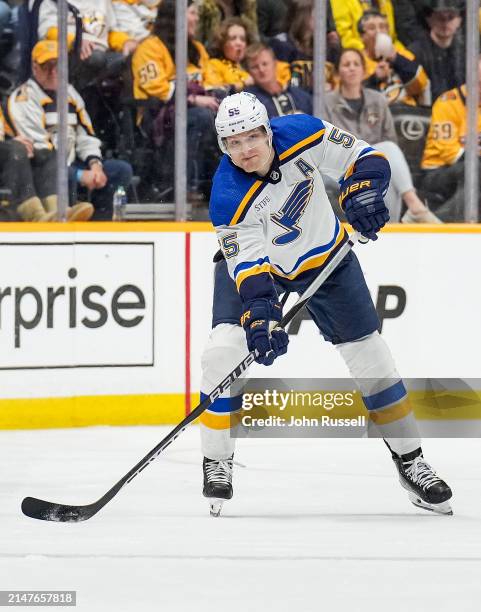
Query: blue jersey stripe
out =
(364, 151)
(245, 265)
(315, 251)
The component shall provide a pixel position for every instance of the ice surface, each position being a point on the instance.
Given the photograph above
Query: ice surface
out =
(313, 525)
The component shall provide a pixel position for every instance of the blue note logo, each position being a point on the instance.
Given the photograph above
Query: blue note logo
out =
(291, 212)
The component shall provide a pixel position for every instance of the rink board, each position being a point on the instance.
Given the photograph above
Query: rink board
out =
(105, 323)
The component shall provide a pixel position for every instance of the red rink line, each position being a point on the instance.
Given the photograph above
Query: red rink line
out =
(187, 323)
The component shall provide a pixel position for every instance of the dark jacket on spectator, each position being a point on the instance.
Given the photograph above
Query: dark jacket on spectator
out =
(291, 100)
(271, 16)
(373, 124)
(446, 68)
(409, 23)
(286, 50)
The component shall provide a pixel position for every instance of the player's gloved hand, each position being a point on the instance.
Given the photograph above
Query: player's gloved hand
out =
(362, 200)
(258, 318)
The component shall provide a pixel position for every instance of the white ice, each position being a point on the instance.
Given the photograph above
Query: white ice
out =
(313, 525)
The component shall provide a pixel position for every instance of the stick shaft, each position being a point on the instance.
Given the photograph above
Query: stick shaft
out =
(49, 511)
(246, 362)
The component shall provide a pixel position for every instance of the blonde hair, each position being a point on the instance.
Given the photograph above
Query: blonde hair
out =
(255, 49)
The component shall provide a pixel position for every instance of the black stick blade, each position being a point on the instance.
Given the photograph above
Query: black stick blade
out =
(48, 511)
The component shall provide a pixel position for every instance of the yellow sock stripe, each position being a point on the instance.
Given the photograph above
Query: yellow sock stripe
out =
(391, 414)
(220, 421)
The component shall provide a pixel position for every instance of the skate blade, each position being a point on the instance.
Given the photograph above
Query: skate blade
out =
(442, 508)
(215, 506)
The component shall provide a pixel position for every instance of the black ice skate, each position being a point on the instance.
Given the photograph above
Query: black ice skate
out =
(425, 489)
(217, 482)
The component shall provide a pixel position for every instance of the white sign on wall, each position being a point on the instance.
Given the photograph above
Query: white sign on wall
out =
(426, 292)
(84, 304)
(69, 310)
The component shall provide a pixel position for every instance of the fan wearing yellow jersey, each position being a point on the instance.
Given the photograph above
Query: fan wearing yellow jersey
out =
(443, 158)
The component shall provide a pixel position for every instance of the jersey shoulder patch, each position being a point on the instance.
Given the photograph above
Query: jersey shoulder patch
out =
(293, 134)
(232, 193)
(21, 93)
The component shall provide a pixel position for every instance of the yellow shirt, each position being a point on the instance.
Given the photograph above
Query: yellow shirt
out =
(229, 73)
(416, 91)
(447, 132)
(115, 39)
(153, 70)
(346, 15)
(5, 129)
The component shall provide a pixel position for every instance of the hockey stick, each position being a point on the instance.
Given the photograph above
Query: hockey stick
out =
(49, 511)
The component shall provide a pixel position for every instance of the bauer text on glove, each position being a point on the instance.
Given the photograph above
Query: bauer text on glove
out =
(258, 314)
(363, 202)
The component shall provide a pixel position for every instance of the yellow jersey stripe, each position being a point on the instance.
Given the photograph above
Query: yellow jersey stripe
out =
(257, 269)
(245, 201)
(350, 170)
(309, 264)
(301, 144)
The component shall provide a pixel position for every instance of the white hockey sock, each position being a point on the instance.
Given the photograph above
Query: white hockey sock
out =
(372, 367)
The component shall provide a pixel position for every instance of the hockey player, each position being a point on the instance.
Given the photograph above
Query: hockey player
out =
(277, 230)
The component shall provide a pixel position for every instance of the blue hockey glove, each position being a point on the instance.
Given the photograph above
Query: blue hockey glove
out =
(362, 200)
(255, 320)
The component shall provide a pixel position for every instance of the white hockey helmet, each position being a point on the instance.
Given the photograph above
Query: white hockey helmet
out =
(240, 113)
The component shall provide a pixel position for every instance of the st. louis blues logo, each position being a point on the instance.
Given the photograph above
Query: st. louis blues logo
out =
(292, 210)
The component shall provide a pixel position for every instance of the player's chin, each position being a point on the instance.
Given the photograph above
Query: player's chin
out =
(251, 164)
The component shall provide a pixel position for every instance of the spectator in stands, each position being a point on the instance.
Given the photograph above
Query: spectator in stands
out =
(33, 113)
(103, 45)
(271, 15)
(347, 14)
(9, 50)
(295, 45)
(228, 50)
(28, 177)
(153, 72)
(390, 68)
(278, 99)
(408, 17)
(441, 51)
(443, 159)
(365, 113)
(135, 17)
(153, 65)
(5, 14)
(213, 12)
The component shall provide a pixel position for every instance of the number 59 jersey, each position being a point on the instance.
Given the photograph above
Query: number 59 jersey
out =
(282, 225)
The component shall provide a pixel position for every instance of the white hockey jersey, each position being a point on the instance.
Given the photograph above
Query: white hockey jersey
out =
(33, 113)
(98, 21)
(283, 225)
(135, 17)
